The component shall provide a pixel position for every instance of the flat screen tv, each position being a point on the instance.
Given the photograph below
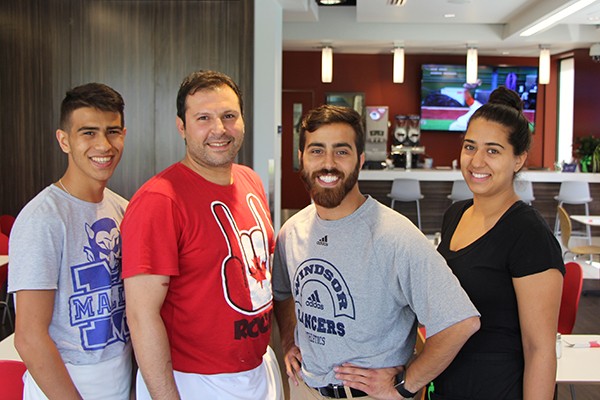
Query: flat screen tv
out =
(447, 101)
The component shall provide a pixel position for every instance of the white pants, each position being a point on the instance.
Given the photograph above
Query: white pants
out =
(260, 383)
(107, 380)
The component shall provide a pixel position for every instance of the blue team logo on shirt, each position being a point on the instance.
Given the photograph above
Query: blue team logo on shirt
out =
(323, 300)
(97, 306)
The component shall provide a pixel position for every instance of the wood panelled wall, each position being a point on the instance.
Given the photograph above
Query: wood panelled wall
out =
(143, 49)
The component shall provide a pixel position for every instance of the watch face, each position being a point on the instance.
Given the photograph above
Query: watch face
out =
(400, 378)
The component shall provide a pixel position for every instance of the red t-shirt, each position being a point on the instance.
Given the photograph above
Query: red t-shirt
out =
(215, 242)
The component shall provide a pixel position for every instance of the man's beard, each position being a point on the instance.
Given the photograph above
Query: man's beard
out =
(329, 197)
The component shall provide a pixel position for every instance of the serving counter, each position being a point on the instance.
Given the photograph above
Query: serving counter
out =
(436, 185)
(449, 175)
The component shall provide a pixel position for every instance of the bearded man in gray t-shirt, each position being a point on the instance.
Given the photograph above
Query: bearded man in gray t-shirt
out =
(352, 278)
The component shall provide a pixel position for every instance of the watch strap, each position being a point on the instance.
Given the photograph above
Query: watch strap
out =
(399, 386)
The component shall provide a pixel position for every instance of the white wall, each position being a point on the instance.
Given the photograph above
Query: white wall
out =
(268, 23)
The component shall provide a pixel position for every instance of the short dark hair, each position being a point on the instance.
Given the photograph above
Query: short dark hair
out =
(505, 107)
(200, 80)
(328, 114)
(93, 95)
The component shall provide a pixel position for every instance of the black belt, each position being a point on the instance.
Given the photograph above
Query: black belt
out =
(338, 391)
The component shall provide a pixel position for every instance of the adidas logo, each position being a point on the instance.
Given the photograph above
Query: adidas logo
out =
(322, 241)
(313, 300)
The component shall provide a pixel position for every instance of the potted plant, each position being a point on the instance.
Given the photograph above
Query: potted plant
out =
(588, 153)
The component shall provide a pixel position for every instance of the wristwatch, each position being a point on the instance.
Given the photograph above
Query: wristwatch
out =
(400, 378)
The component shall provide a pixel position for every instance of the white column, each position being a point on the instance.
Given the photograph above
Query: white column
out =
(268, 26)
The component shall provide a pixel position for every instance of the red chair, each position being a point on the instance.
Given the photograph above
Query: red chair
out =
(6, 223)
(11, 379)
(572, 286)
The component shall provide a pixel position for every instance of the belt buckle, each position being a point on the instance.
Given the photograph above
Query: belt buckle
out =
(336, 391)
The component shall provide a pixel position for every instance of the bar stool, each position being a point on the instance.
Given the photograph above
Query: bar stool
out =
(572, 192)
(460, 191)
(524, 189)
(407, 190)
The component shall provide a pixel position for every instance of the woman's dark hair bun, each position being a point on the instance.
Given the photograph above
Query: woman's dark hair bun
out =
(506, 97)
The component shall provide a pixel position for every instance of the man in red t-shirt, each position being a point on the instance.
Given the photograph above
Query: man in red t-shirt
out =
(197, 247)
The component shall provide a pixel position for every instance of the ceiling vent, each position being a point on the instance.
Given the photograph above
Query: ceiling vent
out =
(398, 3)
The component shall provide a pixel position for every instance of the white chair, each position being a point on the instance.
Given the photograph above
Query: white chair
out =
(460, 191)
(407, 190)
(576, 193)
(524, 189)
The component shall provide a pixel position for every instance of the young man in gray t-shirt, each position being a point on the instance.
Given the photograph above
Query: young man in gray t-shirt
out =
(65, 262)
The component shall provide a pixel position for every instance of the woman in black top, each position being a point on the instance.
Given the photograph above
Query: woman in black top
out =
(509, 263)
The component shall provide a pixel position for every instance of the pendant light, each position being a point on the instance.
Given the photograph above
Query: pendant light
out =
(544, 72)
(327, 64)
(398, 64)
(471, 64)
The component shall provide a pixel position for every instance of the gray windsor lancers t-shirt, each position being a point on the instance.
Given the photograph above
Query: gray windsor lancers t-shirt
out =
(359, 284)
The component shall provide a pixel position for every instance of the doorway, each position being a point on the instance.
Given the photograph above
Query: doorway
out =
(295, 104)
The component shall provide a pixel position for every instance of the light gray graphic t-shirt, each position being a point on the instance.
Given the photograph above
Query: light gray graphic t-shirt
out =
(61, 243)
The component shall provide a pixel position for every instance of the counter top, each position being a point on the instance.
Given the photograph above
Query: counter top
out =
(452, 175)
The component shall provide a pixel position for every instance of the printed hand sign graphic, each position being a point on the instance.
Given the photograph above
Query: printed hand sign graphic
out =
(246, 271)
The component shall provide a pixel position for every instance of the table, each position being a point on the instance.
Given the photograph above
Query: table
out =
(588, 220)
(7, 349)
(579, 365)
(592, 220)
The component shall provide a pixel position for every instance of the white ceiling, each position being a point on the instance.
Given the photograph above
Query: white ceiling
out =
(493, 26)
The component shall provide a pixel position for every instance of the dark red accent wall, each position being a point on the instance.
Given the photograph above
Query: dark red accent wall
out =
(372, 74)
(586, 113)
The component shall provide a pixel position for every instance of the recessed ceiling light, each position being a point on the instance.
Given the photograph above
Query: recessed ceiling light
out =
(330, 2)
(505, 53)
(449, 15)
(595, 18)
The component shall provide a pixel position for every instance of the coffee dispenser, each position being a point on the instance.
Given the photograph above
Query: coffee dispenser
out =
(376, 146)
(406, 142)
(400, 131)
(414, 130)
